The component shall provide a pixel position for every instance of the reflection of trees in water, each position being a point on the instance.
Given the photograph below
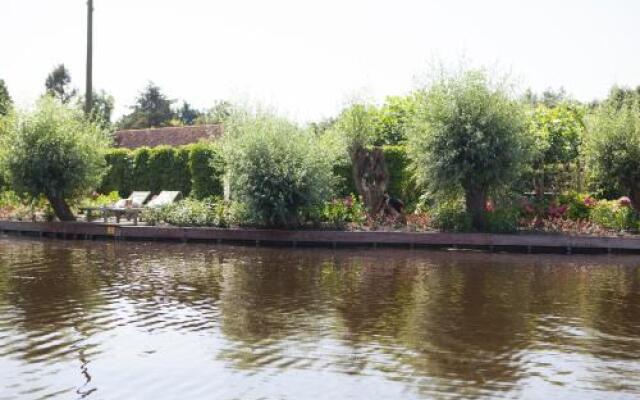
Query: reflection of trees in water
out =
(425, 316)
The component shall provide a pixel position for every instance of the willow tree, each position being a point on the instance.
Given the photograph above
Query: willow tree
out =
(53, 152)
(613, 148)
(468, 137)
(358, 124)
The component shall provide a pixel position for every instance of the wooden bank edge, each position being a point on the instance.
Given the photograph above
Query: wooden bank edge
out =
(519, 242)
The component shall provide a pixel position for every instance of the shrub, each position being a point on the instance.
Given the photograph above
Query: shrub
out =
(503, 220)
(274, 168)
(467, 137)
(578, 205)
(53, 152)
(612, 215)
(169, 168)
(401, 183)
(190, 212)
(340, 212)
(451, 215)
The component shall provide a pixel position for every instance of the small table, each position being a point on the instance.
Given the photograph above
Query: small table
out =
(118, 212)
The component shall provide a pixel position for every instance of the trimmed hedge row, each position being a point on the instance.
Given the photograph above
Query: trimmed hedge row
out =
(194, 170)
(197, 170)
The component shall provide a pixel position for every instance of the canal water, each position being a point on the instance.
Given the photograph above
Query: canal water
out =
(104, 320)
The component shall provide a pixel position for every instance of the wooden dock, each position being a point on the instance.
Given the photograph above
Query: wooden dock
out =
(523, 242)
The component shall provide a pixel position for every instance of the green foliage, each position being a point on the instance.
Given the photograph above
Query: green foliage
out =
(207, 169)
(466, 132)
(187, 115)
(5, 100)
(152, 109)
(467, 136)
(357, 124)
(169, 169)
(401, 182)
(120, 174)
(450, 215)
(556, 135)
(394, 118)
(101, 200)
(578, 205)
(217, 114)
(340, 212)
(102, 105)
(194, 170)
(502, 220)
(610, 214)
(274, 168)
(190, 212)
(58, 84)
(53, 151)
(614, 151)
(143, 176)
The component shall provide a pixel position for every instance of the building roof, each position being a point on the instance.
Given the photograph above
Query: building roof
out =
(172, 136)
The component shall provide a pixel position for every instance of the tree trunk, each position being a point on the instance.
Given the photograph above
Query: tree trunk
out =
(538, 183)
(61, 209)
(371, 177)
(476, 199)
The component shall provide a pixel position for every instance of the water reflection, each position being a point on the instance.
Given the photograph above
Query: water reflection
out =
(122, 320)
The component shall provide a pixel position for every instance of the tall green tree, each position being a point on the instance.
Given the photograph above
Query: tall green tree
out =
(557, 134)
(54, 152)
(5, 100)
(58, 84)
(102, 105)
(187, 114)
(152, 109)
(467, 136)
(613, 148)
(394, 118)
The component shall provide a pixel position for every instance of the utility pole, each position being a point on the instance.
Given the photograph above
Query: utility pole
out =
(88, 97)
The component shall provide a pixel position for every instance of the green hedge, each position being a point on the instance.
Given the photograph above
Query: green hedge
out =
(401, 185)
(194, 169)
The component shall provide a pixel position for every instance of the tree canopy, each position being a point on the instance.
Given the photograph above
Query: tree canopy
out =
(58, 84)
(467, 136)
(152, 109)
(53, 152)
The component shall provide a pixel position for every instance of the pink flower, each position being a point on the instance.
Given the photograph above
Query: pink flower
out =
(624, 201)
(348, 201)
(488, 206)
(590, 201)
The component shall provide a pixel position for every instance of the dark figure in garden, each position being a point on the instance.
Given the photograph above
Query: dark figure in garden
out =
(393, 207)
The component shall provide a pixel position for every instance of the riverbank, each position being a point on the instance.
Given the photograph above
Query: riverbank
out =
(524, 242)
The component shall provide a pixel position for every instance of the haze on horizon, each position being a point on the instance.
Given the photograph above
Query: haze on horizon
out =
(308, 57)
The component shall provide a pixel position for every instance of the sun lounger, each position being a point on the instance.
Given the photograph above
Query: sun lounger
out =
(165, 198)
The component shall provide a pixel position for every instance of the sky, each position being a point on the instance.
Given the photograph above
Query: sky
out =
(308, 58)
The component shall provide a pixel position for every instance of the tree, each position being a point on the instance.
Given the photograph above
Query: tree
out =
(58, 84)
(5, 100)
(357, 124)
(217, 114)
(187, 115)
(557, 136)
(275, 169)
(613, 148)
(393, 118)
(467, 136)
(152, 109)
(53, 152)
(102, 105)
